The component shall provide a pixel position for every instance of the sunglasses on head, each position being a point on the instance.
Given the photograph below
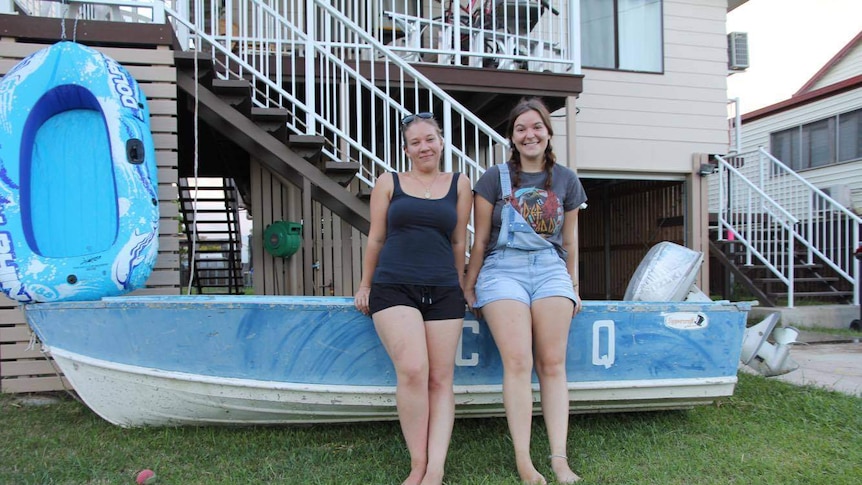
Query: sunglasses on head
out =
(411, 118)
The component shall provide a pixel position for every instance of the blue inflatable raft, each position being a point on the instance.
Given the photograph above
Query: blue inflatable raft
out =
(79, 208)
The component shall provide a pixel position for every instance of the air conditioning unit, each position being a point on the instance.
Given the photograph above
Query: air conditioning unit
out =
(737, 51)
(840, 193)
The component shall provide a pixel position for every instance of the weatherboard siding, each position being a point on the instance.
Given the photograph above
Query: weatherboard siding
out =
(848, 66)
(653, 123)
(755, 134)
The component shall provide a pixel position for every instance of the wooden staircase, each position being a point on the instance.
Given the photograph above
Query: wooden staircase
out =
(231, 130)
(813, 283)
(226, 107)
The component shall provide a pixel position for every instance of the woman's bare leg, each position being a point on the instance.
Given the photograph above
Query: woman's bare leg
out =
(402, 332)
(442, 337)
(511, 327)
(551, 322)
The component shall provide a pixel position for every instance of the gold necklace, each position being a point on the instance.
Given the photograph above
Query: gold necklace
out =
(427, 187)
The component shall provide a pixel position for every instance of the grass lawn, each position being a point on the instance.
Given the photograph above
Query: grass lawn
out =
(769, 432)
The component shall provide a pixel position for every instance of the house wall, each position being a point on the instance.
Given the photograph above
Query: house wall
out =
(656, 126)
(755, 134)
(23, 368)
(329, 260)
(850, 65)
(648, 124)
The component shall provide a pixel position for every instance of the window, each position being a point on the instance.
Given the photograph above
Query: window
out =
(785, 147)
(850, 136)
(622, 34)
(818, 143)
(824, 142)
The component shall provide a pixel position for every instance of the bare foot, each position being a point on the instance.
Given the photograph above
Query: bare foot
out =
(415, 477)
(562, 471)
(530, 475)
(432, 478)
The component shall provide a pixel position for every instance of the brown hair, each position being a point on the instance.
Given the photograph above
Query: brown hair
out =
(530, 104)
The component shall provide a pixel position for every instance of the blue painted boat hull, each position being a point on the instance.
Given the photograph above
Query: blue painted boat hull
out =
(264, 360)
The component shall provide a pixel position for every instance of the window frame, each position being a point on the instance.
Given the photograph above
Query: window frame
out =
(616, 43)
(800, 144)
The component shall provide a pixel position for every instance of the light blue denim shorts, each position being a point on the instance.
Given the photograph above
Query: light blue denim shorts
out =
(525, 276)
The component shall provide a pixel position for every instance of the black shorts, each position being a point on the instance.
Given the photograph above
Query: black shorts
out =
(433, 302)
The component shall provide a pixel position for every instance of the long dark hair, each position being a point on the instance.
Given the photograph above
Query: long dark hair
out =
(537, 105)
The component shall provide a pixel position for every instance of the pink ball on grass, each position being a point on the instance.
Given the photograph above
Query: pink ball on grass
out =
(146, 477)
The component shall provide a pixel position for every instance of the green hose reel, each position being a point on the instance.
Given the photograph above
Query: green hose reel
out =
(282, 238)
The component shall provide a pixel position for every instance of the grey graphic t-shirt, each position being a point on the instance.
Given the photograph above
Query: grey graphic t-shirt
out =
(543, 208)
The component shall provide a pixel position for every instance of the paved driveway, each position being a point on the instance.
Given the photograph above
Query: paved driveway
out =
(836, 366)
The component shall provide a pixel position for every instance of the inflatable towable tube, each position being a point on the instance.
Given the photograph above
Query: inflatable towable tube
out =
(79, 211)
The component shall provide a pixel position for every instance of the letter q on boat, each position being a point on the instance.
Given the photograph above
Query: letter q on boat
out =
(79, 207)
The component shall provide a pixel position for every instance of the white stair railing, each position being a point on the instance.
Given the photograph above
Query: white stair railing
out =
(756, 192)
(358, 112)
(365, 87)
(146, 11)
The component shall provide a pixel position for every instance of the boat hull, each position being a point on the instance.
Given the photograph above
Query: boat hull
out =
(192, 360)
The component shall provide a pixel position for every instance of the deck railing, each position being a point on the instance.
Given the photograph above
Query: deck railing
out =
(109, 10)
(370, 85)
(245, 35)
(503, 34)
(777, 215)
(357, 112)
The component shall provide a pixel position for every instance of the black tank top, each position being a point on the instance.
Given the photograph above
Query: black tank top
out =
(418, 247)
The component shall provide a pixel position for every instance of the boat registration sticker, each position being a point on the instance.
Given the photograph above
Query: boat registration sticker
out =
(685, 320)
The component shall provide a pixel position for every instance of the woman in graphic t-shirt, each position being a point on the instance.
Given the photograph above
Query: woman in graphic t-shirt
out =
(522, 276)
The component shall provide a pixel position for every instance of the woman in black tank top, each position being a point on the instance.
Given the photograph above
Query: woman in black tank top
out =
(412, 280)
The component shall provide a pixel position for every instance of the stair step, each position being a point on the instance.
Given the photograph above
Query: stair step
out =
(222, 198)
(212, 232)
(235, 92)
(309, 147)
(227, 203)
(364, 192)
(825, 279)
(186, 60)
(232, 87)
(273, 120)
(341, 172)
(798, 294)
(223, 242)
(209, 211)
(795, 266)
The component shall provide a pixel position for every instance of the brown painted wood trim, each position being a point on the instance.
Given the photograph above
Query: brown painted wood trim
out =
(46, 30)
(854, 82)
(832, 62)
(455, 79)
(503, 81)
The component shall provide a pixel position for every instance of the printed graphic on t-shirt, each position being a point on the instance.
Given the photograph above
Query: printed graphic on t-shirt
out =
(541, 208)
